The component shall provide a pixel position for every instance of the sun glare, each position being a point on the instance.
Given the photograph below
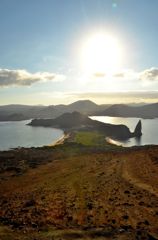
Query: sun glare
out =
(101, 54)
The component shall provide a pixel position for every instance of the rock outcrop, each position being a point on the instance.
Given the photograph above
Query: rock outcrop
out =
(138, 129)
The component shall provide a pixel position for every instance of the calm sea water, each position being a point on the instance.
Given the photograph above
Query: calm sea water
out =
(149, 129)
(18, 134)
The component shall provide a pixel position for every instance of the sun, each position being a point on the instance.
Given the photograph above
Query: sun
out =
(101, 54)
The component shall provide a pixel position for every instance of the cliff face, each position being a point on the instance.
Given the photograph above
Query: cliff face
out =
(138, 129)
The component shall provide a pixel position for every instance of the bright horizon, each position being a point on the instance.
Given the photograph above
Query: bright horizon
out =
(98, 98)
(58, 53)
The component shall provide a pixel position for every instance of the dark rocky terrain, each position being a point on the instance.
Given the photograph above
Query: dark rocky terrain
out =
(76, 191)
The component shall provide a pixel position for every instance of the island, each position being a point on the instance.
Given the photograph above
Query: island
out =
(77, 121)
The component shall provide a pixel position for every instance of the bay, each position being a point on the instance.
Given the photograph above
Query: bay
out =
(149, 130)
(19, 134)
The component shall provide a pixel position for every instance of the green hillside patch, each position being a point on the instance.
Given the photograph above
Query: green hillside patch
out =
(90, 138)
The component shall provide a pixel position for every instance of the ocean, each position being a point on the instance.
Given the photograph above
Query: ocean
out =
(19, 134)
(149, 130)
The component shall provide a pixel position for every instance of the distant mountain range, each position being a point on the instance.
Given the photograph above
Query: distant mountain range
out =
(121, 110)
(24, 112)
(27, 112)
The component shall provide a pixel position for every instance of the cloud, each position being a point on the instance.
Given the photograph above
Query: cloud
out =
(149, 74)
(25, 78)
(119, 75)
(99, 75)
(126, 74)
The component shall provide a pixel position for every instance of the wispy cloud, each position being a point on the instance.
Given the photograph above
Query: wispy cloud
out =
(24, 78)
(127, 74)
(123, 74)
(119, 75)
(149, 74)
(99, 75)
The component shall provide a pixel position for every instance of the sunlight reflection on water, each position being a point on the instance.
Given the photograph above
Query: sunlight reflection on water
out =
(149, 130)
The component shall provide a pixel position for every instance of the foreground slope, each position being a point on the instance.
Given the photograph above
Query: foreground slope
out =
(106, 194)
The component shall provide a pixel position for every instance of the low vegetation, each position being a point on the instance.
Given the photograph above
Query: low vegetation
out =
(90, 138)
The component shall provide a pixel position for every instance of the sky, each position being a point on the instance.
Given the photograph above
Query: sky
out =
(60, 51)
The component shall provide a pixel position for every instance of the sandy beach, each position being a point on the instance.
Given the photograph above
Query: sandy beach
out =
(61, 140)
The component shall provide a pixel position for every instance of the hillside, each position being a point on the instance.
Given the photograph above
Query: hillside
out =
(71, 192)
(77, 121)
(52, 111)
(121, 110)
(12, 117)
(83, 106)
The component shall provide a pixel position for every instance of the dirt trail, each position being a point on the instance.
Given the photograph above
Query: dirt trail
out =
(116, 189)
(131, 167)
(127, 175)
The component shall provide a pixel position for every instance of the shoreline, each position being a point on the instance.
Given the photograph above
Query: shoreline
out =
(60, 140)
(113, 142)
